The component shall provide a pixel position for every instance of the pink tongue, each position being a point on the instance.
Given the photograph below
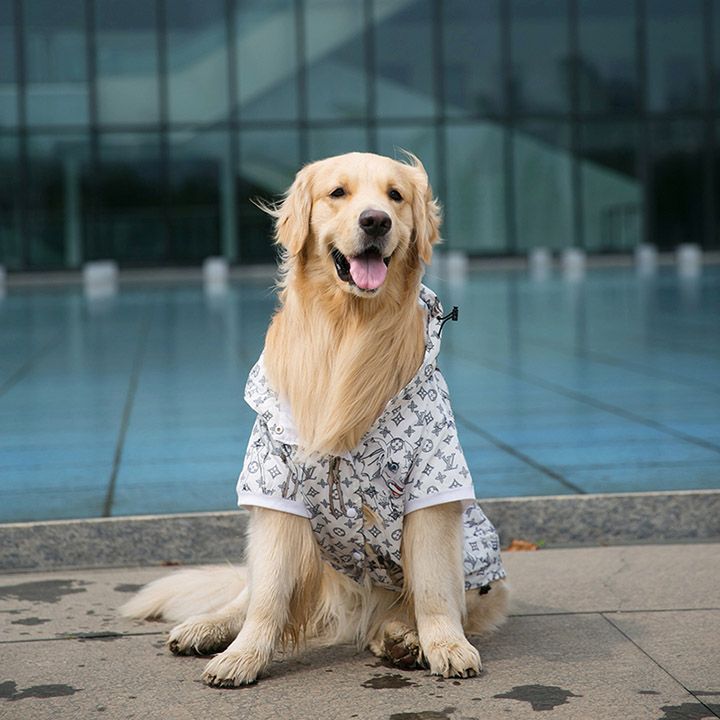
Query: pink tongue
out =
(368, 271)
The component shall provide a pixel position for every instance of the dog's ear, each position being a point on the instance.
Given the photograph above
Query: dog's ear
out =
(426, 211)
(292, 217)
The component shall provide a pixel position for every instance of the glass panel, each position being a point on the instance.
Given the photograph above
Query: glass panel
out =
(129, 222)
(269, 160)
(472, 63)
(57, 176)
(539, 47)
(267, 59)
(404, 60)
(201, 182)
(127, 63)
(607, 66)
(543, 186)
(8, 87)
(197, 61)
(55, 54)
(417, 139)
(10, 249)
(715, 60)
(325, 142)
(611, 187)
(475, 202)
(676, 193)
(713, 241)
(675, 55)
(335, 59)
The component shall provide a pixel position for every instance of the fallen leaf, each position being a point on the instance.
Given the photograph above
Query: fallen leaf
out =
(521, 546)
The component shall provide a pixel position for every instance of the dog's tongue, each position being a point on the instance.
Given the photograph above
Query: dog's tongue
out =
(368, 271)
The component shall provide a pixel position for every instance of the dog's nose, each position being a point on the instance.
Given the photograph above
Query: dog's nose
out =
(375, 222)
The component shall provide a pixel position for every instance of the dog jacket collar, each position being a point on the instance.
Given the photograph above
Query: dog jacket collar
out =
(409, 459)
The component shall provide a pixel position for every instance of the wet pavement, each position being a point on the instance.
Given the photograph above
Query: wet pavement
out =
(621, 632)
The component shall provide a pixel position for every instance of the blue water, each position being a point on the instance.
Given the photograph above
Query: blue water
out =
(133, 405)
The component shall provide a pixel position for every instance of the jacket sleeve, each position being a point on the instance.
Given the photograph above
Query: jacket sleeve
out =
(440, 473)
(269, 477)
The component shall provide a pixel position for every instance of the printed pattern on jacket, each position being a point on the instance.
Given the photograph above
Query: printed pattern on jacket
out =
(409, 459)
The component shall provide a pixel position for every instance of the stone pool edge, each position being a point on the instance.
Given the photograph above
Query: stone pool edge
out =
(551, 521)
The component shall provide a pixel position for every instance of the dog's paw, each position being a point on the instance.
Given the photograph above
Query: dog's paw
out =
(235, 668)
(401, 647)
(455, 657)
(198, 636)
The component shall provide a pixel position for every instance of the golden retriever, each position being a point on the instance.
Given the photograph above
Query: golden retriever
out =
(356, 232)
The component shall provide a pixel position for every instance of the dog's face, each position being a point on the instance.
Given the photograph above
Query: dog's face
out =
(357, 216)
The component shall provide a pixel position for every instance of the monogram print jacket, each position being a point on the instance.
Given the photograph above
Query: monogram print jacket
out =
(409, 459)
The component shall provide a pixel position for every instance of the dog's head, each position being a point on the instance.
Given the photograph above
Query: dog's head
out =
(357, 216)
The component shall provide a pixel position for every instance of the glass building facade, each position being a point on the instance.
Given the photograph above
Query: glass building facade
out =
(140, 130)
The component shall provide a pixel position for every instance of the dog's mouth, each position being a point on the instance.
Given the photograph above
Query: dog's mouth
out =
(366, 271)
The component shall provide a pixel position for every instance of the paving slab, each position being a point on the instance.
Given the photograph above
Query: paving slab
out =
(60, 604)
(634, 577)
(624, 578)
(580, 667)
(684, 644)
(618, 633)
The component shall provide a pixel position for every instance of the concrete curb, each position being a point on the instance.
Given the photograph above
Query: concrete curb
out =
(557, 521)
(611, 519)
(129, 541)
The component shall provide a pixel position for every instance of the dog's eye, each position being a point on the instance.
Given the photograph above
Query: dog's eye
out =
(395, 195)
(337, 192)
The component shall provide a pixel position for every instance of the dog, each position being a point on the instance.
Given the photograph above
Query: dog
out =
(363, 525)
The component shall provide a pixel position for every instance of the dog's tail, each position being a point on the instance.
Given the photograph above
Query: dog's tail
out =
(184, 593)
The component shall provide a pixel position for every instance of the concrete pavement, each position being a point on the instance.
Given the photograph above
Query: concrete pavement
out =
(627, 632)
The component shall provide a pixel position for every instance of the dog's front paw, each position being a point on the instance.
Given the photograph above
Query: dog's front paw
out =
(401, 647)
(235, 668)
(455, 657)
(198, 636)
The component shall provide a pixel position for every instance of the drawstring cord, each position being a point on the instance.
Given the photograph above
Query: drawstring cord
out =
(334, 487)
(452, 315)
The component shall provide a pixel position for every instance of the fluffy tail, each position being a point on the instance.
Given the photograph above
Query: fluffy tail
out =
(184, 593)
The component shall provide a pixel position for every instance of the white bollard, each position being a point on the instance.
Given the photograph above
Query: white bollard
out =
(100, 278)
(573, 263)
(215, 269)
(100, 272)
(540, 262)
(646, 259)
(689, 259)
(216, 273)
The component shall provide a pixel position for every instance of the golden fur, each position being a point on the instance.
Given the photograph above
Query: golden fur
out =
(326, 335)
(337, 353)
